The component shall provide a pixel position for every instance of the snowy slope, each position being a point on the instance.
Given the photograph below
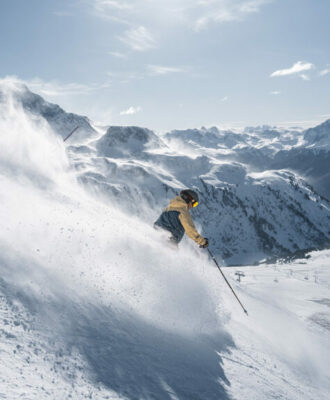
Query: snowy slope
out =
(93, 305)
(282, 348)
(88, 306)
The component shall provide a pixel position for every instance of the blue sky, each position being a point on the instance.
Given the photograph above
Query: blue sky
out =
(175, 63)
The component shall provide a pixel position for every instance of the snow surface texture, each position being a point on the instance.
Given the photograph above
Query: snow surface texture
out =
(93, 305)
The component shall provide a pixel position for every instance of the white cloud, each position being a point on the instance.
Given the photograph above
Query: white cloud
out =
(144, 19)
(221, 15)
(251, 6)
(295, 69)
(275, 92)
(139, 39)
(163, 70)
(305, 77)
(197, 14)
(325, 72)
(219, 11)
(104, 5)
(111, 10)
(131, 110)
(224, 98)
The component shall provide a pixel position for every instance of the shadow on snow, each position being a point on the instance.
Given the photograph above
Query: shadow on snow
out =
(123, 352)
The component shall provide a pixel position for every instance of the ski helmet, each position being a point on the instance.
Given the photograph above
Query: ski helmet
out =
(189, 196)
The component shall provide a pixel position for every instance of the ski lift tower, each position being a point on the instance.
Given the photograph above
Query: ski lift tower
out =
(239, 275)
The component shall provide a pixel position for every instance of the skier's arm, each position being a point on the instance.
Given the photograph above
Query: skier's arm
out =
(190, 228)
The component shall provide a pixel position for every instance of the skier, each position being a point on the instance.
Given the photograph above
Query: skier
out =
(177, 220)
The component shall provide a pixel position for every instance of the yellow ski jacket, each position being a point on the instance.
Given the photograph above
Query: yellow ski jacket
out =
(178, 204)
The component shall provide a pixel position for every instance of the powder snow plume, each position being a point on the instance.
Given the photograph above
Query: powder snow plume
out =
(92, 276)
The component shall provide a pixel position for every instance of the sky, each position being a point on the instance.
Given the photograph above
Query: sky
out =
(173, 64)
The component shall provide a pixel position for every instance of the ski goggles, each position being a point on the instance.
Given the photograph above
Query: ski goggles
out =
(194, 203)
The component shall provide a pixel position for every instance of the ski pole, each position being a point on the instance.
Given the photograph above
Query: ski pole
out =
(216, 263)
(71, 133)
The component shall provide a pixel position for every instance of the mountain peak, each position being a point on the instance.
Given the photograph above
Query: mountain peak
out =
(319, 135)
(121, 141)
(58, 119)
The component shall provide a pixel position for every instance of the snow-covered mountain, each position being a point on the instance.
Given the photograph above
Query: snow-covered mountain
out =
(257, 200)
(248, 213)
(59, 120)
(93, 305)
(262, 148)
(318, 137)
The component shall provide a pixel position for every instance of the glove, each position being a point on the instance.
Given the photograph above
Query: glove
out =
(206, 244)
